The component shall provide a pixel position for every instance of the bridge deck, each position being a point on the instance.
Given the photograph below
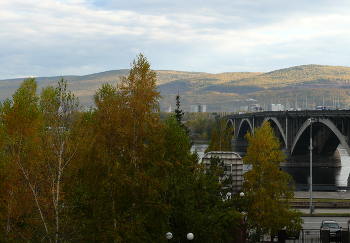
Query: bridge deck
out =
(303, 113)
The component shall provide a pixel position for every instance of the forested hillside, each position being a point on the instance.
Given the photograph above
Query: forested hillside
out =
(223, 91)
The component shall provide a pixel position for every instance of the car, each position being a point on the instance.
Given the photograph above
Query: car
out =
(323, 108)
(334, 229)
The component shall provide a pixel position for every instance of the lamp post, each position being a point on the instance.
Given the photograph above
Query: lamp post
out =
(169, 236)
(228, 196)
(311, 209)
(190, 236)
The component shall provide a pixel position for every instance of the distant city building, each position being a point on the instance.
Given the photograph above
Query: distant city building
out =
(198, 108)
(255, 108)
(243, 108)
(194, 108)
(202, 108)
(276, 107)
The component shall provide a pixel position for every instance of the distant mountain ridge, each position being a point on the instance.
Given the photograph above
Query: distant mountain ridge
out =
(219, 91)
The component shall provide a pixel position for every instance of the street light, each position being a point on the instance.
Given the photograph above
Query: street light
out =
(228, 196)
(241, 194)
(169, 236)
(311, 208)
(190, 236)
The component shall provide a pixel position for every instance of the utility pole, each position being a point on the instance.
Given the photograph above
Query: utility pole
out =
(323, 100)
(311, 207)
(306, 103)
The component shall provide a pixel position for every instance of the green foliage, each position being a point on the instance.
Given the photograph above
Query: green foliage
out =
(200, 125)
(267, 189)
(19, 130)
(179, 113)
(221, 137)
(37, 147)
(217, 171)
(120, 174)
(195, 204)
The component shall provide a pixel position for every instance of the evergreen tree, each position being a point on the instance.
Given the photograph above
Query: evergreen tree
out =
(179, 113)
(193, 196)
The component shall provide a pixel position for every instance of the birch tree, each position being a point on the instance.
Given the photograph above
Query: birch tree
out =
(59, 145)
(267, 189)
(24, 192)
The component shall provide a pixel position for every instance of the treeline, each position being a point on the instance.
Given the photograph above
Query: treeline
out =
(113, 174)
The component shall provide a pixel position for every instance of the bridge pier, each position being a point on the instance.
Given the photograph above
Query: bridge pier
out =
(317, 161)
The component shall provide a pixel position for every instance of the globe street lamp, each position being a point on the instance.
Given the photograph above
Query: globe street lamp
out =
(241, 194)
(169, 236)
(190, 236)
(228, 196)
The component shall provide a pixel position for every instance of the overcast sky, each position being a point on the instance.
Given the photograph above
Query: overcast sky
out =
(78, 37)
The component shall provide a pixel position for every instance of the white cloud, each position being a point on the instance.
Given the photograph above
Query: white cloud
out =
(48, 38)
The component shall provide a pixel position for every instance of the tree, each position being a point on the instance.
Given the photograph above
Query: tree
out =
(221, 137)
(59, 143)
(192, 195)
(21, 123)
(124, 163)
(179, 113)
(38, 142)
(267, 189)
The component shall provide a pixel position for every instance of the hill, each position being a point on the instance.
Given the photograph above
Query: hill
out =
(223, 91)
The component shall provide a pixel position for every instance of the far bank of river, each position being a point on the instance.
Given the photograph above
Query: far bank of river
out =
(321, 175)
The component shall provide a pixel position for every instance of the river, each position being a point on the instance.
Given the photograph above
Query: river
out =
(321, 175)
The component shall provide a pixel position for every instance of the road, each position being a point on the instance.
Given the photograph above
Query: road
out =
(315, 222)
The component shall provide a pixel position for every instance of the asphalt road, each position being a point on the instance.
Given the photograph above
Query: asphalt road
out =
(315, 222)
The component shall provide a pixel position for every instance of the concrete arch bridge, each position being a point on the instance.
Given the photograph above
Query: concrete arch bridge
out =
(329, 129)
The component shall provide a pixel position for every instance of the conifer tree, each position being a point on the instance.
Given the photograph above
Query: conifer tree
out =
(179, 113)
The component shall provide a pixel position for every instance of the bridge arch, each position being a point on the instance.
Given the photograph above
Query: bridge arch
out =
(281, 135)
(230, 122)
(332, 129)
(244, 126)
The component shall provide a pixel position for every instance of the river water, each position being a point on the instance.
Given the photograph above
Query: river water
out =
(321, 175)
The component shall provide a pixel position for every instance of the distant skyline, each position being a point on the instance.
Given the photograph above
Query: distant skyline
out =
(80, 37)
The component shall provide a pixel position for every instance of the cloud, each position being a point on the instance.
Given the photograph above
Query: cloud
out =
(49, 38)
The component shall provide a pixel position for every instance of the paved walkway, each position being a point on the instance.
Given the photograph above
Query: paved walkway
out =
(329, 211)
(327, 195)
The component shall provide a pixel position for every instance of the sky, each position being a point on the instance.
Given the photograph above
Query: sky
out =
(79, 37)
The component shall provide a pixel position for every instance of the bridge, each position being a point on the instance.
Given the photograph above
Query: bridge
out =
(329, 129)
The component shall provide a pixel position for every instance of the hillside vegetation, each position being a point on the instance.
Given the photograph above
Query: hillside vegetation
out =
(307, 74)
(224, 91)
